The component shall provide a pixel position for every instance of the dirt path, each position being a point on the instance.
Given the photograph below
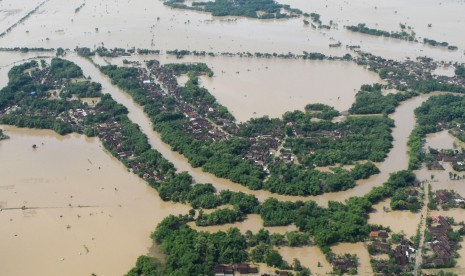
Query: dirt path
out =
(422, 226)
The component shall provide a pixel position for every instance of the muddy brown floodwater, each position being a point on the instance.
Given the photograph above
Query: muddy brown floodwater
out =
(255, 87)
(63, 172)
(54, 235)
(397, 158)
(121, 23)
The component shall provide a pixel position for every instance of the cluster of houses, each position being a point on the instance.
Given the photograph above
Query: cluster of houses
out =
(413, 70)
(344, 263)
(260, 149)
(441, 245)
(404, 73)
(455, 158)
(230, 270)
(110, 133)
(448, 199)
(197, 125)
(242, 269)
(402, 254)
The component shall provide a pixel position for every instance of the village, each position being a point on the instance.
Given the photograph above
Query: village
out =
(448, 199)
(400, 252)
(76, 115)
(442, 243)
(412, 74)
(456, 159)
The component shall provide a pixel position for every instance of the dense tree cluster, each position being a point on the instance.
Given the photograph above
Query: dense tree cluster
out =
(371, 100)
(247, 8)
(364, 138)
(218, 217)
(84, 89)
(403, 200)
(362, 28)
(438, 112)
(435, 43)
(196, 253)
(184, 68)
(460, 71)
(61, 68)
(358, 138)
(147, 266)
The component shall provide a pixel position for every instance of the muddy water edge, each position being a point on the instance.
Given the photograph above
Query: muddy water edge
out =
(83, 212)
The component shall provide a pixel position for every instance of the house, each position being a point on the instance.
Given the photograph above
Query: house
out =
(223, 270)
(382, 247)
(381, 234)
(343, 264)
(246, 269)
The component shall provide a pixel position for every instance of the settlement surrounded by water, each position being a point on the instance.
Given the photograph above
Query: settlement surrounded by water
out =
(68, 206)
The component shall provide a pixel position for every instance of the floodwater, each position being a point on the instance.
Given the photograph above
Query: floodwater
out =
(442, 140)
(150, 24)
(309, 256)
(252, 87)
(360, 249)
(116, 235)
(459, 216)
(442, 179)
(253, 223)
(399, 221)
(397, 158)
(255, 87)
(84, 212)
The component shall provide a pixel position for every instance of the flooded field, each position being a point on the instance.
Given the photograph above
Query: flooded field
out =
(83, 212)
(253, 87)
(399, 221)
(441, 140)
(361, 251)
(309, 256)
(150, 24)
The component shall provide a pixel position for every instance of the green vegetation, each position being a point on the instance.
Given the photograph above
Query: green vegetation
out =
(147, 266)
(292, 179)
(356, 139)
(263, 9)
(184, 68)
(62, 68)
(370, 100)
(326, 143)
(26, 49)
(83, 89)
(460, 71)
(362, 28)
(438, 112)
(435, 43)
(218, 217)
(406, 199)
(195, 253)
(347, 222)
